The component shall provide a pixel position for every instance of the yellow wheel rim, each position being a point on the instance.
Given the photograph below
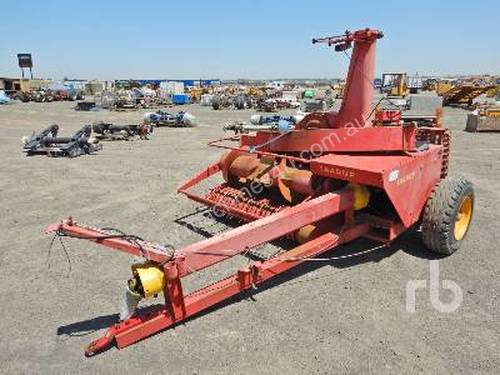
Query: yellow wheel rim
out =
(462, 220)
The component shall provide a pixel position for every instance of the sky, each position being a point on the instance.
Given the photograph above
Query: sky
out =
(258, 39)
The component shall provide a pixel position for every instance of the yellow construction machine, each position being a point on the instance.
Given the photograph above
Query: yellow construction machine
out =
(395, 87)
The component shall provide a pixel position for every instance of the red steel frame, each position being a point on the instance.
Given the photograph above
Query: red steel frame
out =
(192, 258)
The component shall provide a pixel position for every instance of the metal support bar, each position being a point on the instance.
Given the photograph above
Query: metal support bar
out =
(174, 296)
(203, 254)
(217, 144)
(72, 229)
(140, 327)
(202, 175)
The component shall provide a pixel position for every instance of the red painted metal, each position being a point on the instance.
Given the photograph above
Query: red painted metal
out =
(200, 176)
(246, 140)
(70, 228)
(387, 117)
(319, 141)
(407, 179)
(235, 202)
(203, 254)
(358, 91)
(308, 175)
(139, 327)
(208, 252)
(213, 250)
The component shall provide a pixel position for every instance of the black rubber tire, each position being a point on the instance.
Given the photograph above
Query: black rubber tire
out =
(440, 212)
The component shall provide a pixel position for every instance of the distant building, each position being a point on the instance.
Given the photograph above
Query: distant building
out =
(10, 84)
(19, 84)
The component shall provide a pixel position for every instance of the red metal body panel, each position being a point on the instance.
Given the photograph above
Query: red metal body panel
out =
(351, 139)
(407, 179)
(417, 177)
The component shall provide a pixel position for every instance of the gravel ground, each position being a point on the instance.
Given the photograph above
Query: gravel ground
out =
(342, 317)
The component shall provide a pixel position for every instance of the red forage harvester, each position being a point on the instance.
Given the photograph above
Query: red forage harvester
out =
(332, 178)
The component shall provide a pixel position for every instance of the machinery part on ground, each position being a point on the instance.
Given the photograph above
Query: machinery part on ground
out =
(281, 126)
(23, 96)
(256, 91)
(195, 94)
(47, 95)
(173, 120)
(47, 142)
(485, 119)
(332, 179)
(447, 215)
(239, 127)
(111, 132)
(216, 102)
(130, 99)
(85, 106)
(239, 101)
(206, 100)
(464, 95)
(264, 104)
(443, 87)
(260, 119)
(42, 96)
(125, 103)
(308, 94)
(277, 123)
(36, 138)
(105, 99)
(313, 105)
(494, 91)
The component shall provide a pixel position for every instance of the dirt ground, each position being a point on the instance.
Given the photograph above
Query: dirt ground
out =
(337, 317)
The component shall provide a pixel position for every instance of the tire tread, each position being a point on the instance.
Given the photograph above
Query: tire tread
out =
(440, 212)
